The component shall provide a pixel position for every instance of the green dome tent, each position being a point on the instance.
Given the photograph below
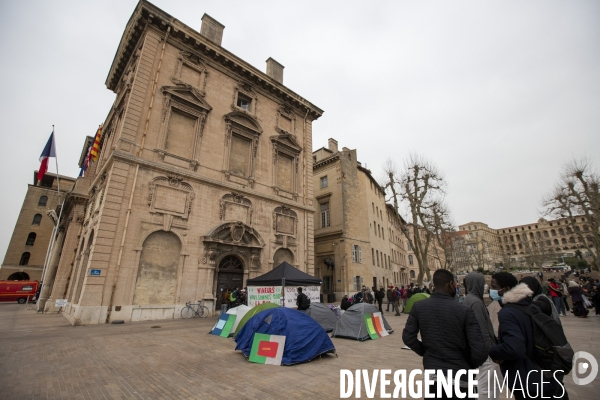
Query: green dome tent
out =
(255, 310)
(414, 298)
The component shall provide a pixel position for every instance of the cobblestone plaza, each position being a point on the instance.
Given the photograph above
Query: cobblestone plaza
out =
(44, 357)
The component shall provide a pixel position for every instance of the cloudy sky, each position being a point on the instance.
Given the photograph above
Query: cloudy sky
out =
(498, 94)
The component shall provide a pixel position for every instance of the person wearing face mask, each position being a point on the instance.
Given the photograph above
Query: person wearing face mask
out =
(474, 289)
(451, 337)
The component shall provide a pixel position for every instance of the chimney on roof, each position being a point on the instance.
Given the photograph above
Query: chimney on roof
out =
(275, 70)
(212, 29)
(333, 145)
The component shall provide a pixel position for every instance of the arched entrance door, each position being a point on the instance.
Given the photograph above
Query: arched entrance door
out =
(231, 273)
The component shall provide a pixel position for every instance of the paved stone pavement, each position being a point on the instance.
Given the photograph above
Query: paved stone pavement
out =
(43, 357)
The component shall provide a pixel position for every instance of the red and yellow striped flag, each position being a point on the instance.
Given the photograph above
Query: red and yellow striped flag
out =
(96, 146)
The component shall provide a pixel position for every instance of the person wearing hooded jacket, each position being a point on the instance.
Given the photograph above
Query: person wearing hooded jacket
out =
(540, 299)
(515, 343)
(474, 286)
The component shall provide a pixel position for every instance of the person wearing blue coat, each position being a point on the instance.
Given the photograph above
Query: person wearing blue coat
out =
(515, 343)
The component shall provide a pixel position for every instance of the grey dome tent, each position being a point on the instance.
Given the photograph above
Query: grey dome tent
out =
(352, 324)
(284, 275)
(323, 315)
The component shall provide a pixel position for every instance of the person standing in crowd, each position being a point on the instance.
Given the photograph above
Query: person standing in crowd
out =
(302, 301)
(396, 295)
(475, 287)
(577, 297)
(515, 341)
(403, 296)
(359, 296)
(388, 295)
(494, 308)
(540, 276)
(556, 294)
(451, 337)
(379, 295)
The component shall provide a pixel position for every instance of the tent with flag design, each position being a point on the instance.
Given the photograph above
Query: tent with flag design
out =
(362, 322)
(303, 338)
(224, 325)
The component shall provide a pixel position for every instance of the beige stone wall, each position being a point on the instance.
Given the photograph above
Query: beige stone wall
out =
(173, 198)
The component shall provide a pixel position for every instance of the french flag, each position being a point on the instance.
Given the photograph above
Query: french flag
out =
(49, 151)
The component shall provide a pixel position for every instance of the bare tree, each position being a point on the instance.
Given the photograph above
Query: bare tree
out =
(420, 188)
(577, 195)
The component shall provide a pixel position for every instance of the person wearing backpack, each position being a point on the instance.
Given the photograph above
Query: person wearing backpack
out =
(302, 301)
(516, 348)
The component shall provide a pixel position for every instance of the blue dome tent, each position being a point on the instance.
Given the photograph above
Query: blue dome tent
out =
(304, 337)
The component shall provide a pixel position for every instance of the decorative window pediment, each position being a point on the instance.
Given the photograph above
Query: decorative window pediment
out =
(286, 156)
(191, 71)
(241, 145)
(183, 118)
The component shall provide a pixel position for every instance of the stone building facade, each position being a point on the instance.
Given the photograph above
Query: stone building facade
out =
(204, 179)
(534, 244)
(28, 245)
(357, 239)
(476, 245)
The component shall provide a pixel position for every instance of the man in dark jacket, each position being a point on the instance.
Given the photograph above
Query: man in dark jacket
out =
(379, 296)
(451, 336)
(474, 285)
(515, 341)
(301, 300)
(388, 295)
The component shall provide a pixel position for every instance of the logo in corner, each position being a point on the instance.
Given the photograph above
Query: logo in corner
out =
(582, 368)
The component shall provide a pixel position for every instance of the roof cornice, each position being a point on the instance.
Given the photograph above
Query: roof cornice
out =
(147, 14)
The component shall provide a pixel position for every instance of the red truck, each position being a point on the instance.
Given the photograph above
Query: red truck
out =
(18, 291)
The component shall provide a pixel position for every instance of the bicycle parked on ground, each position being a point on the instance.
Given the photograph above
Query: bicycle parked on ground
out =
(192, 309)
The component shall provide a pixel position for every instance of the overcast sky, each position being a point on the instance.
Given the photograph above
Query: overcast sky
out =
(498, 94)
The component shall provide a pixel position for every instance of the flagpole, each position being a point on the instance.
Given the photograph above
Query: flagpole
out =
(48, 250)
(54, 233)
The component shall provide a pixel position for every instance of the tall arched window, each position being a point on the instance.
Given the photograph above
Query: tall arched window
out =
(24, 258)
(30, 239)
(412, 274)
(43, 201)
(37, 219)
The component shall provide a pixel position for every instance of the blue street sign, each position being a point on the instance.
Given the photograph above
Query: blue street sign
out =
(95, 271)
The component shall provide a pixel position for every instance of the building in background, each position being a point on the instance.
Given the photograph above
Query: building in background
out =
(531, 245)
(203, 180)
(357, 238)
(476, 246)
(28, 245)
